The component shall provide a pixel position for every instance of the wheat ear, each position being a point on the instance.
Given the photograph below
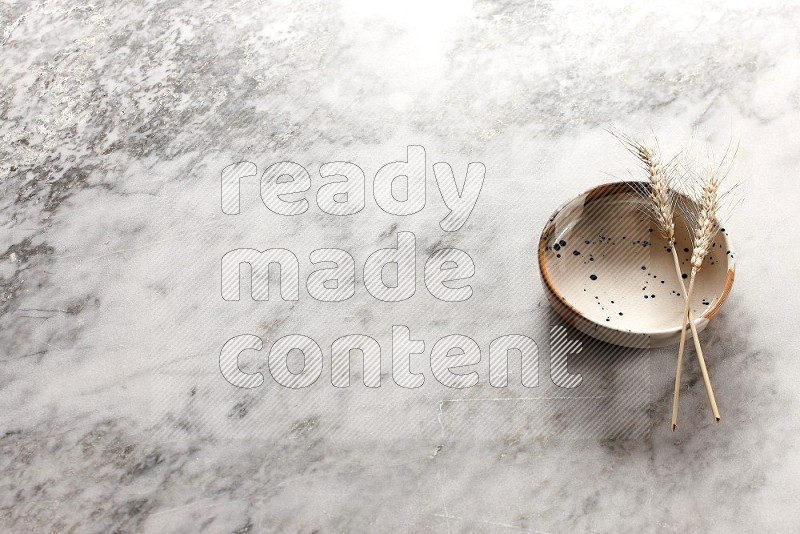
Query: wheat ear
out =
(706, 225)
(660, 200)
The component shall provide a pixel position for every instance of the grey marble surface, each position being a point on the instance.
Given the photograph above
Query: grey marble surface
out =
(117, 119)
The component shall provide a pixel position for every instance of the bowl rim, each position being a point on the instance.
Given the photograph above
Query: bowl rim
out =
(594, 193)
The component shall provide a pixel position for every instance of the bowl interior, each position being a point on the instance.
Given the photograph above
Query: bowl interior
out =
(607, 261)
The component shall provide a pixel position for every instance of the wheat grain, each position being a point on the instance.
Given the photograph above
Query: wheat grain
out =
(659, 195)
(707, 224)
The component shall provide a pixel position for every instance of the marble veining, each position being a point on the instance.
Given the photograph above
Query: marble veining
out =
(117, 120)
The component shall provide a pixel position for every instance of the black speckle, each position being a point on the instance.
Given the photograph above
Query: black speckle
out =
(608, 319)
(556, 247)
(645, 296)
(587, 242)
(558, 255)
(652, 296)
(684, 276)
(562, 243)
(576, 252)
(593, 277)
(620, 313)
(686, 250)
(644, 268)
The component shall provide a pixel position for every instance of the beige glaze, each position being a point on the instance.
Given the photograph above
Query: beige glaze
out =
(608, 272)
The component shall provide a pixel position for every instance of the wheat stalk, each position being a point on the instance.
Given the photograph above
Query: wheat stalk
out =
(660, 201)
(659, 198)
(705, 221)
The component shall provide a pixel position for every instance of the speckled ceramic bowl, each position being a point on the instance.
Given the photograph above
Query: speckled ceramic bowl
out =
(608, 272)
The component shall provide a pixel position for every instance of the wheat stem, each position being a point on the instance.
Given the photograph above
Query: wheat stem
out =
(679, 367)
(698, 349)
(712, 401)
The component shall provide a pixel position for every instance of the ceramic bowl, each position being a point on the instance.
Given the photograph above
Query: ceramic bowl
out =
(607, 271)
